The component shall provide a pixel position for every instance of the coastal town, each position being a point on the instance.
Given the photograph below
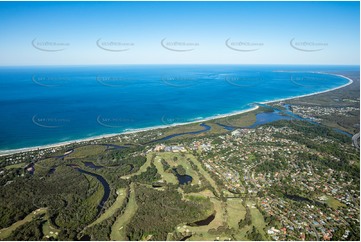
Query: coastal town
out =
(327, 199)
(180, 120)
(299, 179)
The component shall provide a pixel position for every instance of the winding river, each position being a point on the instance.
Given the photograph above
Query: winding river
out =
(101, 180)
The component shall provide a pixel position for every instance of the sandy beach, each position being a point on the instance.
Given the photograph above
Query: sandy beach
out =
(35, 148)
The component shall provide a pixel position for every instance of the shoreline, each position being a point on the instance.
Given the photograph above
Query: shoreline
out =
(350, 81)
(55, 145)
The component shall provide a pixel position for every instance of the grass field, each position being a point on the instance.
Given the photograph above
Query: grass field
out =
(5, 232)
(257, 219)
(92, 201)
(42, 167)
(49, 231)
(235, 212)
(143, 168)
(242, 233)
(230, 213)
(203, 172)
(118, 228)
(15, 166)
(204, 193)
(242, 120)
(110, 211)
(182, 129)
(87, 151)
(201, 232)
(167, 176)
(334, 203)
(168, 157)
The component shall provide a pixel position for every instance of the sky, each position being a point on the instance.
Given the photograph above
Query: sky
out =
(108, 33)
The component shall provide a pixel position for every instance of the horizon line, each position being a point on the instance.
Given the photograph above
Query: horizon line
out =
(179, 64)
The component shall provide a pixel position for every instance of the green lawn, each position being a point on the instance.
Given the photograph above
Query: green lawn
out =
(49, 231)
(143, 168)
(235, 212)
(5, 232)
(334, 203)
(204, 193)
(15, 166)
(93, 201)
(241, 120)
(244, 119)
(203, 172)
(242, 233)
(167, 176)
(42, 167)
(182, 129)
(87, 151)
(257, 219)
(168, 157)
(201, 232)
(110, 211)
(118, 228)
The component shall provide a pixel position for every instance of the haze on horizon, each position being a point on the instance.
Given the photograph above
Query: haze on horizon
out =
(108, 33)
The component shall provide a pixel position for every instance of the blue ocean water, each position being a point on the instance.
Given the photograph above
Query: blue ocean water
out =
(46, 105)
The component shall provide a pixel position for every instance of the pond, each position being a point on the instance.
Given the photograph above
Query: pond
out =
(261, 118)
(182, 179)
(267, 117)
(52, 170)
(186, 237)
(85, 238)
(302, 199)
(204, 222)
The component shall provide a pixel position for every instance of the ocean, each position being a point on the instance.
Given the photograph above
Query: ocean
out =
(47, 105)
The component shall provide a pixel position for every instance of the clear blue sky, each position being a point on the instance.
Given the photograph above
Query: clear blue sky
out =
(270, 25)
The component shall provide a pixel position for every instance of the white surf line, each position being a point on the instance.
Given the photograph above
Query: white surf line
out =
(95, 138)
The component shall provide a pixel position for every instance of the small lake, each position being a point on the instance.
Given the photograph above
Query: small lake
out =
(261, 118)
(204, 222)
(267, 117)
(302, 199)
(85, 238)
(186, 237)
(183, 179)
(52, 170)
